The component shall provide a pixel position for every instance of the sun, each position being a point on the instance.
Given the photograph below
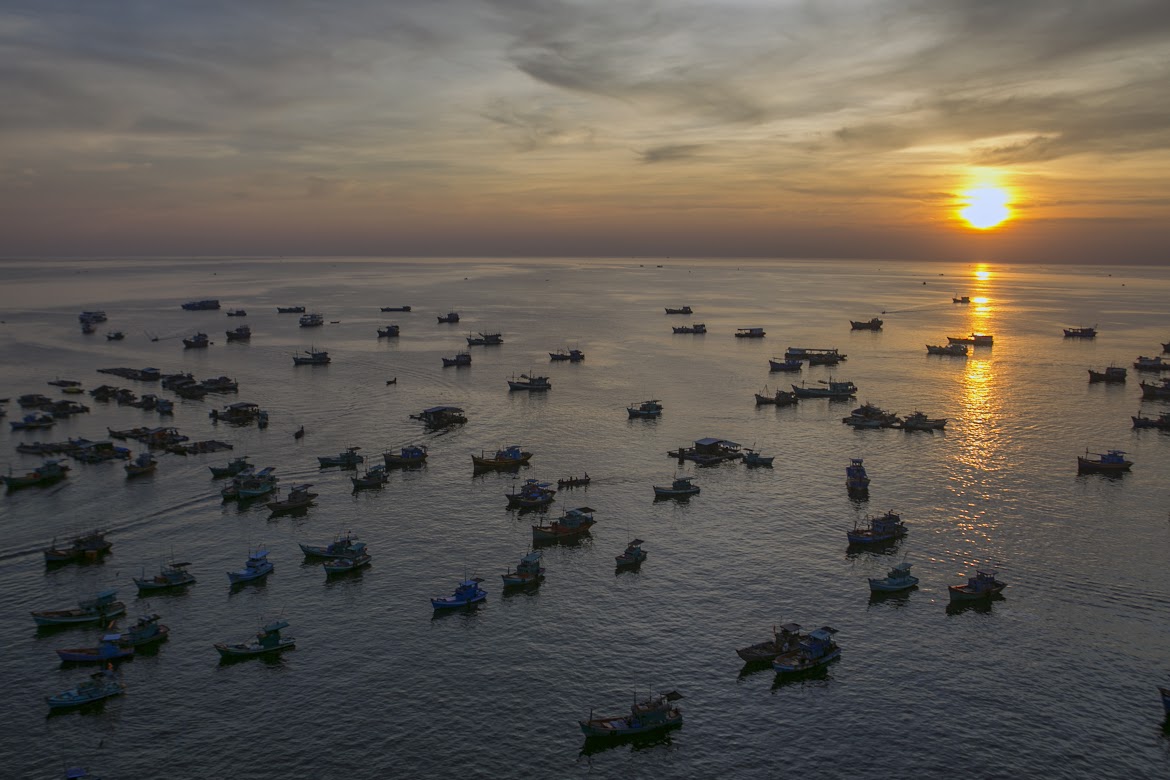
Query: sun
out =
(985, 207)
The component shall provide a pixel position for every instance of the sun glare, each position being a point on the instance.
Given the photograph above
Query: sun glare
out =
(984, 207)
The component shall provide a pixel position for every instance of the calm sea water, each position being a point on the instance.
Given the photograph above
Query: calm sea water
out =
(1055, 680)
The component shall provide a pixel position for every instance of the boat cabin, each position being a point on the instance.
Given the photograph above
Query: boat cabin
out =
(749, 333)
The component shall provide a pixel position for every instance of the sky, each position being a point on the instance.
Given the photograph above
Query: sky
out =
(496, 128)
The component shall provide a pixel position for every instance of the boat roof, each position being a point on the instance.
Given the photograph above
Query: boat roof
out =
(243, 405)
(636, 542)
(276, 625)
(584, 509)
(791, 628)
(822, 634)
(711, 440)
(532, 557)
(435, 409)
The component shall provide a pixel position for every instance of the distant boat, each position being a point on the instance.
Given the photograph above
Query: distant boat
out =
(782, 641)
(390, 331)
(358, 558)
(874, 324)
(961, 299)
(375, 477)
(680, 310)
(527, 572)
(100, 685)
(855, 477)
(753, 458)
(508, 457)
(407, 457)
(651, 715)
(201, 305)
(1110, 374)
(750, 333)
(450, 317)
(237, 313)
(312, 320)
(242, 333)
(898, 578)
(529, 382)
(89, 546)
(198, 341)
(268, 640)
(462, 358)
(697, 328)
(876, 530)
(299, 497)
(834, 390)
(115, 335)
(290, 309)
(785, 364)
(983, 585)
(648, 409)
(570, 525)
(681, 487)
(954, 350)
(633, 554)
(98, 609)
(466, 593)
(171, 576)
(346, 460)
(533, 493)
(312, 357)
(485, 340)
(440, 416)
(395, 308)
(343, 546)
(816, 649)
(1081, 333)
(1111, 462)
(975, 339)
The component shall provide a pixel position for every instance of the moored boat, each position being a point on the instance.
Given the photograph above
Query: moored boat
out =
(752, 457)
(312, 357)
(570, 525)
(198, 341)
(143, 464)
(290, 309)
(961, 299)
(855, 476)
(572, 482)
(344, 545)
(395, 308)
(234, 467)
(100, 685)
(898, 578)
(529, 382)
(1110, 462)
(375, 477)
(312, 320)
(779, 398)
(256, 567)
(750, 333)
(954, 350)
(100, 608)
(1155, 363)
(816, 356)
(115, 335)
(237, 313)
(876, 530)
(347, 460)
(84, 547)
(1159, 392)
(299, 497)
(918, 421)
(833, 390)
(462, 358)
(527, 572)
(508, 457)
(645, 409)
(260, 483)
(485, 340)
(874, 324)
(146, 631)
(242, 333)
(107, 650)
(785, 364)
(983, 585)
(1165, 692)
(708, 451)
(171, 576)
(440, 416)
(817, 648)
(783, 641)
(466, 593)
(679, 310)
(267, 640)
(633, 554)
(357, 558)
(1161, 422)
(975, 339)
(531, 494)
(1081, 332)
(407, 457)
(450, 317)
(696, 328)
(206, 305)
(680, 487)
(390, 331)
(653, 714)
(1110, 374)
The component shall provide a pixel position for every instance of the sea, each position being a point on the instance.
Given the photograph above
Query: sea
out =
(1056, 679)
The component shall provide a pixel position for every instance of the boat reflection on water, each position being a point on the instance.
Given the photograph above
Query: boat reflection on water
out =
(595, 745)
(817, 675)
(982, 607)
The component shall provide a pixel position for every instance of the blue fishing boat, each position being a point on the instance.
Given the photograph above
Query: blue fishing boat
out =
(268, 640)
(509, 457)
(233, 467)
(653, 714)
(817, 648)
(466, 593)
(898, 578)
(679, 488)
(532, 493)
(570, 525)
(143, 464)
(633, 554)
(171, 576)
(108, 649)
(47, 473)
(983, 585)
(100, 608)
(256, 567)
(375, 477)
(855, 477)
(344, 545)
(355, 559)
(753, 458)
(299, 497)
(787, 364)
(407, 457)
(645, 409)
(346, 460)
(1110, 462)
(783, 641)
(876, 530)
(145, 631)
(100, 685)
(527, 572)
(258, 484)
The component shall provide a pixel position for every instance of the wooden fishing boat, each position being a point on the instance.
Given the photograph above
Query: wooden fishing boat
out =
(358, 558)
(375, 477)
(242, 333)
(533, 493)
(815, 649)
(954, 350)
(343, 546)
(874, 324)
(466, 593)
(290, 309)
(782, 641)
(100, 685)
(256, 567)
(508, 457)
(898, 578)
(653, 714)
(268, 640)
(877, 530)
(681, 487)
(143, 464)
(485, 340)
(1111, 462)
(645, 409)
(918, 421)
(527, 573)
(633, 554)
(785, 364)
(312, 357)
(975, 339)
(107, 650)
(198, 341)
(450, 317)
(856, 479)
(234, 467)
(983, 585)
(697, 328)
(390, 331)
(833, 390)
(85, 547)
(570, 525)
(299, 497)
(1110, 374)
(462, 358)
(1081, 332)
(679, 310)
(440, 416)
(171, 576)
(753, 458)
(145, 631)
(407, 457)
(527, 382)
(346, 460)
(572, 482)
(750, 333)
(98, 609)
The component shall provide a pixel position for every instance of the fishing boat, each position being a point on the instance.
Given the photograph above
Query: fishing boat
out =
(871, 416)
(1156, 391)
(348, 459)
(708, 451)
(242, 333)
(570, 525)
(832, 390)
(290, 309)
(531, 494)
(108, 649)
(407, 457)
(395, 308)
(680, 487)
(508, 457)
(345, 545)
(115, 335)
(697, 328)
(898, 578)
(633, 554)
(462, 358)
(375, 477)
(312, 357)
(527, 382)
(778, 398)
(816, 648)
(234, 467)
(1155, 363)
(450, 317)
(961, 299)
(1081, 332)
(874, 324)
(753, 458)
(357, 558)
(256, 567)
(855, 476)
(260, 483)
(918, 421)
(146, 631)
(206, 305)
(954, 350)
(983, 585)
(92, 316)
(571, 355)
(85, 547)
(100, 608)
(299, 433)
(231, 491)
(877, 530)
(975, 339)
(267, 640)
(171, 576)
(198, 341)
(783, 641)
(1161, 422)
(750, 333)
(390, 331)
(237, 313)
(527, 572)
(485, 340)
(1110, 374)
(645, 409)
(816, 356)
(466, 593)
(785, 364)
(100, 685)
(299, 497)
(312, 320)
(32, 422)
(572, 482)
(1110, 462)
(653, 714)
(679, 310)
(440, 416)
(143, 464)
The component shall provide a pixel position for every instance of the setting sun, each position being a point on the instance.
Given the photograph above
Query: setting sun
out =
(985, 207)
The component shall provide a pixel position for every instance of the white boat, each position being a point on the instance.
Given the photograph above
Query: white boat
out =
(898, 578)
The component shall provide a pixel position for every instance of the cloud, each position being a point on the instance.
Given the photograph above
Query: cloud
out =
(671, 153)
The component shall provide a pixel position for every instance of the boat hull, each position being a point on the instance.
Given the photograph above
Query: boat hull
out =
(886, 586)
(251, 651)
(614, 728)
(964, 593)
(803, 664)
(70, 617)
